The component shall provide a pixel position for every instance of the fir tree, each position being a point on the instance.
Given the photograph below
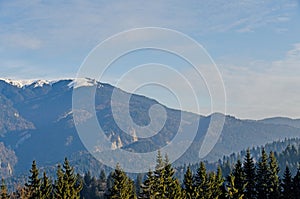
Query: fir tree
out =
(34, 183)
(250, 176)
(59, 184)
(239, 177)
(147, 188)
(232, 191)
(159, 177)
(172, 185)
(218, 192)
(263, 176)
(274, 183)
(4, 192)
(123, 187)
(287, 184)
(201, 181)
(188, 184)
(296, 184)
(71, 182)
(46, 187)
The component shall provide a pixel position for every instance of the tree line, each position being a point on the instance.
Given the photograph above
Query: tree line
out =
(249, 179)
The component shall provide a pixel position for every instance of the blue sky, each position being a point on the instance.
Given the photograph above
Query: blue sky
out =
(255, 44)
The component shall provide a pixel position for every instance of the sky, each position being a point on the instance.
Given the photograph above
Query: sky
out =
(254, 44)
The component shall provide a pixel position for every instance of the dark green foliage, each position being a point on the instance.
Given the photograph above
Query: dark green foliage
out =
(250, 176)
(68, 184)
(239, 177)
(46, 187)
(33, 186)
(188, 185)
(296, 184)
(147, 187)
(4, 192)
(247, 180)
(123, 187)
(287, 184)
(274, 184)
(263, 177)
(232, 191)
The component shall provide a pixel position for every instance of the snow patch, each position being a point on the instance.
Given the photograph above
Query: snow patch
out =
(18, 83)
(83, 82)
(29, 82)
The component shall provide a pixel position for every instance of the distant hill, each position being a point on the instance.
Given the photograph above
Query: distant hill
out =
(36, 122)
(283, 121)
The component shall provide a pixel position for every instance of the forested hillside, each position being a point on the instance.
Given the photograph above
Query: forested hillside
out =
(247, 178)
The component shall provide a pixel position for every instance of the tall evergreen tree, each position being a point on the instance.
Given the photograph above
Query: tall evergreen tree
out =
(188, 184)
(46, 187)
(239, 177)
(147, 188)
(67, 185)
(123, 187)
(274, 183)
(71, 181)
(4, 192)
(232, 191)
(201, 182)
(287, 185)
(263, 176)
(250, 176)
(34, 183)
(159, 177)
(59, 184)
(172, 185)
(296, 184)
(217, 183)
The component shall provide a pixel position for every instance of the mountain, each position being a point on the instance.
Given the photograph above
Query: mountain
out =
(37, 123)
(283, 121)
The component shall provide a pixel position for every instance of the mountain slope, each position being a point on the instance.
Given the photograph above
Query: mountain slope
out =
(44, 129)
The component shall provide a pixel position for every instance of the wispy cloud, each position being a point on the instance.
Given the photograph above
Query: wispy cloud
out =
(273, 91)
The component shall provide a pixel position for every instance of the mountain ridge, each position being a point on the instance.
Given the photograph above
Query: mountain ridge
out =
(48, 108)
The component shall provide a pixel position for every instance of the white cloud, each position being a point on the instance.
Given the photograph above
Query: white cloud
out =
(21, 41)
(263, 93)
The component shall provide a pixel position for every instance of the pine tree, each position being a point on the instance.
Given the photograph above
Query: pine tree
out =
(172, 189)
(296, 183)
(59, 184)
(263, 176)
(188, 184)
(71, 182)
(46, 187)
(274, 183)
(216, 182)
(67, 185)
(4, 192)
(239, 177)
(287, 184)
(34, 183)
(123, 187)
(250, 176)
(232, 191)
(147, 188)
(159, 186)
(201, 182)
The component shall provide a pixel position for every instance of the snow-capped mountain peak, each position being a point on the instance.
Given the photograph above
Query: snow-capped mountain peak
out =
(17, 83)
(83, 82)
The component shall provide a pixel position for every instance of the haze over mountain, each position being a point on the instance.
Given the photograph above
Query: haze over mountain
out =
(36, 122)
